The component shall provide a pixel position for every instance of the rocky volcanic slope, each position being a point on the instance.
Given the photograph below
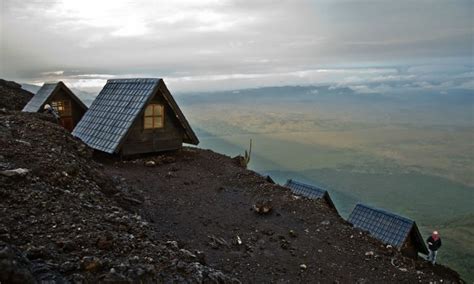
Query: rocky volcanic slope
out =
(207, 201)
(12, 96)
(182, 217)
(61, 219)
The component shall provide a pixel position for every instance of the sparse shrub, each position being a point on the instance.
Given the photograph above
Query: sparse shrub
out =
(246, 159)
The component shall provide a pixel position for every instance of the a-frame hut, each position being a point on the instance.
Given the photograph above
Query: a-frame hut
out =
(134, 116)
(400, 232)
(309, 191)
(69, 107)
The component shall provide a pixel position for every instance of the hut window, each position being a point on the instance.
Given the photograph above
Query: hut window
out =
(154, 116)
(62, 107)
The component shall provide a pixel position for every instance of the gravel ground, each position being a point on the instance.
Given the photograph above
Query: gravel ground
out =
(206, 201)
(62, 219)
(190, 216)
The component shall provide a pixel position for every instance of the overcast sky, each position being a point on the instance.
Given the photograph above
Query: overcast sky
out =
(231, 44)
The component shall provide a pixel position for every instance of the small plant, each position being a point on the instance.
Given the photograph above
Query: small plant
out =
(246, 159)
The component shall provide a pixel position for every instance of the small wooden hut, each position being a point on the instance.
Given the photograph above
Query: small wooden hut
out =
(400, 232)
(134, 116)
(310, 191)
(69, 107)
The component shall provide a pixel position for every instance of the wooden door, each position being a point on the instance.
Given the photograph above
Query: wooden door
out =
(63, 108)
(67, 123)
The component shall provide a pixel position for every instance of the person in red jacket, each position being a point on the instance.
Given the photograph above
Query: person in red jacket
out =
(434, 243)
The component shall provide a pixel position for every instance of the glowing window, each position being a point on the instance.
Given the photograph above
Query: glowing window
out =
(62, 107)
(154, 116)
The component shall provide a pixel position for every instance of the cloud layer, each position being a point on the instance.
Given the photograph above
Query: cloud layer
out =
(211, 44)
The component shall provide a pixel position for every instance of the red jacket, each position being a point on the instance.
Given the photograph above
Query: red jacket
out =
(435, 244)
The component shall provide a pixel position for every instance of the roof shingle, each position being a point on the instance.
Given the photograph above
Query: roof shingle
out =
(387, 227)
(45, 92)
(40, 97)
(306, 190)
(309, 191)
(113, 112)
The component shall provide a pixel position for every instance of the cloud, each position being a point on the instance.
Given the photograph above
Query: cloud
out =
(86, 84)
(53, 73)
(468, 85)
(366, 89)
(211, 43)
(361, 80)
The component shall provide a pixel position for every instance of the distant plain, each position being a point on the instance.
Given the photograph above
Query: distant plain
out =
(407, 153)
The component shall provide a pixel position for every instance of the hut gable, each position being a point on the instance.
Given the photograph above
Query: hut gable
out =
(269, 179)
(389, 228)
(62, 99)
(309, 191)
(116, 120)
(40, 98)
(46, 92)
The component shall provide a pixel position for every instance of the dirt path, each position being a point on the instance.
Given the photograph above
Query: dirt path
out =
(205, 200)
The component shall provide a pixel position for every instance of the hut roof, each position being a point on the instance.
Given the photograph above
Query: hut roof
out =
(388, 227)
(269, 179)
(309, 191)
(107, 122)
(45, 92)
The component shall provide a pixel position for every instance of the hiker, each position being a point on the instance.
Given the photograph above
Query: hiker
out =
(50, 110)
(434, 243)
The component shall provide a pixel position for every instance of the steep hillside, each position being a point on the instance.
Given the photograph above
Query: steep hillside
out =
(188, 216)
(62, 219)
(207, 201)
(12, 96)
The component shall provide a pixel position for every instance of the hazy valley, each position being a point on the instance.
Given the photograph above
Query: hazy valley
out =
(409, 153)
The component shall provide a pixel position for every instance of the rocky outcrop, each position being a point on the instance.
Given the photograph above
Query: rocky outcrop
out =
(62, 219)
(12, 96)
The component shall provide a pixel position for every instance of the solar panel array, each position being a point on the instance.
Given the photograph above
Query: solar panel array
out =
(113, 112)
(305, 189)
(385, 226)
(40, 97)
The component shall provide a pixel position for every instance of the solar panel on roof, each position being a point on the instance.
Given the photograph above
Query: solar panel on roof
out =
(387, 227)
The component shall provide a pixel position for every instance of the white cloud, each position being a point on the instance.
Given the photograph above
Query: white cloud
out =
(336, 77)
(468, 85)
(363, 89)
(218, 43)
(52, 73)
(94, 76)
(124, 18)
(360, 80)
(132, 27)
(86, 83)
